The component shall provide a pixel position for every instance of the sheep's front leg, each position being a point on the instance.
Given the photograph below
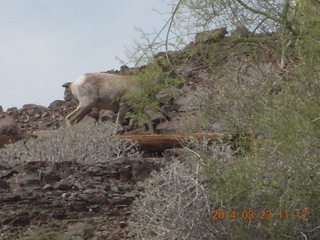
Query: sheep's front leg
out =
(124, 108)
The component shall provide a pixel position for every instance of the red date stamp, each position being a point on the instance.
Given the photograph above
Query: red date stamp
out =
(258, 214)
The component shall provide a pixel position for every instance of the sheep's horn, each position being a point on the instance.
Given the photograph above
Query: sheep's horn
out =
(66, 85)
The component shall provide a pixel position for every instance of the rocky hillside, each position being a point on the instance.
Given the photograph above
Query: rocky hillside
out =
(71, 200)
(65, 200)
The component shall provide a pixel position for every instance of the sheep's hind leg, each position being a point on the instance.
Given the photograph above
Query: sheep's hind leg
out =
(78, 114)
(70, 117)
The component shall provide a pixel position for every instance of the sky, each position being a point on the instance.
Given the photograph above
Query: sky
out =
(46, 43)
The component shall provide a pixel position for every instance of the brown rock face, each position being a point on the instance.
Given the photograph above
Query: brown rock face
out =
(33, 117)
(59, 196)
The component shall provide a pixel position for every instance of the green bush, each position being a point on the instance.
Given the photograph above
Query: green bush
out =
(151, 81)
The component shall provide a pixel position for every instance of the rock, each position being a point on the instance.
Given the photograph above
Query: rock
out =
(211, 36)
(94, 198)
(28, 179)
(56, 104)
(120, 200)
(10, 198)
(115, 189)
(125, 173)
(4, 184)
(79, 205)
(64, 184)
(142, 169)
(48, 187)
(124, 69)
(33, 117)
(166, 95)
(50, 177)
(107, 115)
(87, 119)
(3, 164)
(124, 187)
(8, 125)
(130, 195)
(21, 219)
(167, 127)
(241, 32)
(30, 106)
(9, 173)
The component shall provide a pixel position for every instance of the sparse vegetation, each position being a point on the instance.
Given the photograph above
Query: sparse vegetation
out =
(87, 143)
(175, 204)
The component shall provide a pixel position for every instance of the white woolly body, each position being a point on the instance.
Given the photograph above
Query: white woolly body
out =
(75, 85)
(100, 90)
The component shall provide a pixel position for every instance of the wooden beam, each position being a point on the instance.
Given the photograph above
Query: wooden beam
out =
(161, 142)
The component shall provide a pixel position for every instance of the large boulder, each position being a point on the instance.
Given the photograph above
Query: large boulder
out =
(8, 125)
(9, 130)
(56, 104)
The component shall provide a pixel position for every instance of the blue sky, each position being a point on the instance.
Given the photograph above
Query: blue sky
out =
(45, 43)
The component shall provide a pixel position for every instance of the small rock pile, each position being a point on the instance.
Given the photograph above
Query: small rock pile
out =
(33, 117)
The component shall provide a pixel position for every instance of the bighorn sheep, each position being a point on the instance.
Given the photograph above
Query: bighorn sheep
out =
(101, 90)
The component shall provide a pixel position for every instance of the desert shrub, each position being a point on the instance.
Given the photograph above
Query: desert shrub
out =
(282, 174)
(151, 80)
(268, 182)
(177, 201)
(174, 206)
(262, 195)
(87, 143)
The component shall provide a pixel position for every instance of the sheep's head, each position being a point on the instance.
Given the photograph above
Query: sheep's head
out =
(67, 92)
